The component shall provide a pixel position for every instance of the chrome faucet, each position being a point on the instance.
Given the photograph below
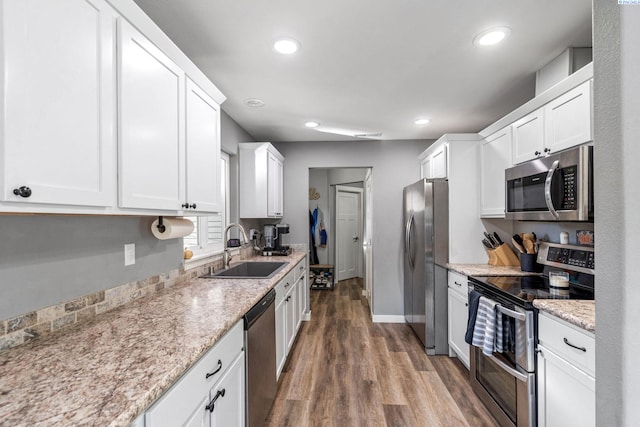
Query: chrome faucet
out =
(226, 257)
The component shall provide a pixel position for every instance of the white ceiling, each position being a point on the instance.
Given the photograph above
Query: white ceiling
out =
(371, 65)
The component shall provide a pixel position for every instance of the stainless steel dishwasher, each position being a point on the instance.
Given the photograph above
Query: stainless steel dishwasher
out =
(260, 343)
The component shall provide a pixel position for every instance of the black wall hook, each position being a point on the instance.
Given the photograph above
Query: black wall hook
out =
(161, 227)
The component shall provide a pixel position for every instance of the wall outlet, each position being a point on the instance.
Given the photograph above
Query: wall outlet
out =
(129, 254)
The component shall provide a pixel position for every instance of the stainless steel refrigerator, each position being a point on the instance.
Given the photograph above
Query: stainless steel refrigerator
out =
(426, 253)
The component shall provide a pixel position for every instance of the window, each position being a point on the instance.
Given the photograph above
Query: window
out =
(207, 238)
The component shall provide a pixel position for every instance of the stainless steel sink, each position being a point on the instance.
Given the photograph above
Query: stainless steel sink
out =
(248, 270)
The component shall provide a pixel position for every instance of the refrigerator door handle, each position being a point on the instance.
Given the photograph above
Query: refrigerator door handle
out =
(411, 254)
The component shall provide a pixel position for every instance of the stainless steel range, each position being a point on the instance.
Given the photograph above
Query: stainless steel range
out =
(506, 381)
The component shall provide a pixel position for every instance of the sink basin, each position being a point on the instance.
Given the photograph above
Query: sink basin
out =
(248, 270)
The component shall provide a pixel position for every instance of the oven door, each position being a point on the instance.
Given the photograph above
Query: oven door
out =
(506, 390)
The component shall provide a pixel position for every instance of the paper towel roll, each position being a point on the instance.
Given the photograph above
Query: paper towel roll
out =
(174, 228)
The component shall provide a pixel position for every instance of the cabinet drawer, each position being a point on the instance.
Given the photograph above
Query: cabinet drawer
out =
(176, 405)
(284, 286)
(458, 282)
(559, 336)
(299, 270)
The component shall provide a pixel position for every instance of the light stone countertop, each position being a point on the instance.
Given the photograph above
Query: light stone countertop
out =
(108, 370)
(487, 270)
(577, 312)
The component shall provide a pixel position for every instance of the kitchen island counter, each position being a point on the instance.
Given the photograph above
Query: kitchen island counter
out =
(111, 368)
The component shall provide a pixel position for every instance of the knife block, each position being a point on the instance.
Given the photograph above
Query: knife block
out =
(503, 256)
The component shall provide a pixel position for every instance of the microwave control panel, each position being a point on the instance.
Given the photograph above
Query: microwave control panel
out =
(569, 183)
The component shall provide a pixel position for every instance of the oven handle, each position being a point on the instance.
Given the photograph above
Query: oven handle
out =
(508, 369)
(547, 189)
(511, 313)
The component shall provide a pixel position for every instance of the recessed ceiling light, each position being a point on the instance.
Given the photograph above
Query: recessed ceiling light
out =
(254, 102)
(312, 124)
(286, 46)
(491, 36)
(422, 121)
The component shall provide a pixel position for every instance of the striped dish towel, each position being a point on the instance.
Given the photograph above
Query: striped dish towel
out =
(487, 333)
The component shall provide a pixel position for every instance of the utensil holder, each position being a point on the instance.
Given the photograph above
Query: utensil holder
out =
(503, 256)
(528, 263)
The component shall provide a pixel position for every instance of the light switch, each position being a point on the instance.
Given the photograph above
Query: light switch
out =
(130, 254)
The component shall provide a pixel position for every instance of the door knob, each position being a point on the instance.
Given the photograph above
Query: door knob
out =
(22, 191)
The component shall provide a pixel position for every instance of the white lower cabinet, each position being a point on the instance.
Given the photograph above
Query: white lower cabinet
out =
(566, 374)
(458, 315)
(211, 393)
(290, 307)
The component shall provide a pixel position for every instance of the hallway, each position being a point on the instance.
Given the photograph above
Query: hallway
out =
(345, 370)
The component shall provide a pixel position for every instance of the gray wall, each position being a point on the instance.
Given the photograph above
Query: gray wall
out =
(45, 260)
(395, 165)
(230, 135)
(616, 55)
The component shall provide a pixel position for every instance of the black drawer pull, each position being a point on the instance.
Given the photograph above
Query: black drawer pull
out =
(566, 341)
(216, 371)
(212, 405)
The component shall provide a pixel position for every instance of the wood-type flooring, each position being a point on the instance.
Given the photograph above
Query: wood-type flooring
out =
(345, 370)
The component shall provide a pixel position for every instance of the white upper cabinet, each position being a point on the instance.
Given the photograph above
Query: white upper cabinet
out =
(151, 143)
(528, 137)
(58, 130)
(495, 157)
(564, 122)
(261, 180)
(568, 119)
(203, 151)
(275, 184)
(433, 161)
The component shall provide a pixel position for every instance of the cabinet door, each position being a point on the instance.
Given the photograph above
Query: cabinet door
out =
(292, 317)
(302, 295)
(425, 168)
(202, 150)
(58, 130)
(281, 333)
(275, 171)
(200, 416)
(528, 137)
(229, 407)
(458, 315)
(568, 119)
(566, 395)
(151, 144)
(495, 157)
(439, 162)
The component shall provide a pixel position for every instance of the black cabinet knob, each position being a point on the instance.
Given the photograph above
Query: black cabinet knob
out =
(189, 206)
(546, 150)
(193, 206)
(537, 153)
(22, 191)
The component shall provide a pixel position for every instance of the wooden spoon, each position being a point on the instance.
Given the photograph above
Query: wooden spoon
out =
(529, 246)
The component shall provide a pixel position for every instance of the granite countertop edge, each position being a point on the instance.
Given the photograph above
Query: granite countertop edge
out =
(581, 313)
(110, 369)
(487, 270)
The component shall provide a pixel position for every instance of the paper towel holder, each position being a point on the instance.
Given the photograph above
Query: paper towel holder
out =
(160, 226)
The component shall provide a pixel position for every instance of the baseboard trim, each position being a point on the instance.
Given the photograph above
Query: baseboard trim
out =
(379, 318)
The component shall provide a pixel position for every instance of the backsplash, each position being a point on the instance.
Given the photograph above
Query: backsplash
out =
(30, 326)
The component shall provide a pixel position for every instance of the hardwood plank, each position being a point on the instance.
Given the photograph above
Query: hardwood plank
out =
(345, 370)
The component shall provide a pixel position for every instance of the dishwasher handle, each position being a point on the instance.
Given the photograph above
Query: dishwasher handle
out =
(256, 311)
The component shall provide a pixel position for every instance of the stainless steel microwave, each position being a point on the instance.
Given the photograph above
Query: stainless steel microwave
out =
(558, 187)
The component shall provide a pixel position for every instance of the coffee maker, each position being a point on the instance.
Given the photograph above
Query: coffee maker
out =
(273, 239)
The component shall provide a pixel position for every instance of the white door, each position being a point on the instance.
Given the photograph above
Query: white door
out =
(229, 407)
(367, 239)
(58, 131)
(348, 234)
(528, 137)
(275, 170)
(568, 119)
(495, 157)
(151, 143)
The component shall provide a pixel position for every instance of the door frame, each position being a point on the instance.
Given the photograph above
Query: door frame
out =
(359, 254)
